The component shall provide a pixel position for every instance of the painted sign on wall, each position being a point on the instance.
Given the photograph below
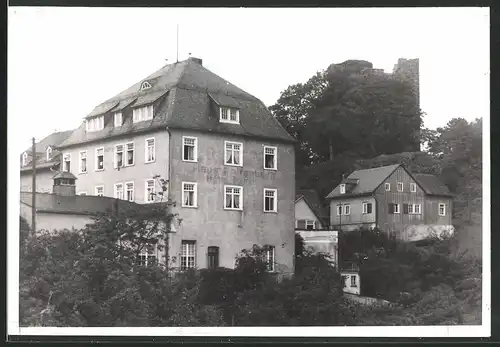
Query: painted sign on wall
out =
(216, 175)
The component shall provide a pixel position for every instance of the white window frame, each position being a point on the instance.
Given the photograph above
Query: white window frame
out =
(49, 152)
(146, 150)
(94, 124)
(96, 188)
(444, 209)
(118, 119)
(126, 190)
(347, 209)
(309, 222)
(275, 158)
(116, 185)
(413, 187)
(145, 85)
(65, 157)
(240, 198)
(147, 194)
(271, 259)
(415, 209)
(342, 188)
(96, 168)
(353, 281)
(340, 210)
(400, 184)
(411, 209)
(226, 152)
(185, 254)
(149, 255)
(126, 153)
(195, 194)
(142, 113)
(365, 207)
(387, 187)
(396, 209)
(274, 197)
(115, 160)
(146, 254)
(195, 148)
(80, 158)
(25, 159)
(228, 120)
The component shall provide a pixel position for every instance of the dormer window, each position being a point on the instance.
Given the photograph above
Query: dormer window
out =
(145, 85)
(25, 158)
(342, 188)
(118, 117)
(95, 124)
(143, 113)
(49, 153)
(229, 115)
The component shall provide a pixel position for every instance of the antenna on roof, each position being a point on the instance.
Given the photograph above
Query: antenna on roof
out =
(177, 42)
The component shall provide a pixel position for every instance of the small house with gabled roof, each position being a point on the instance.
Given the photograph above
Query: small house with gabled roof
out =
(309, 212)
(394, 200)
(228, 163)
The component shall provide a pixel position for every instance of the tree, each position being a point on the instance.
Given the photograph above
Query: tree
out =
(458, 146)
(97, 277)
(312, 297)
(292, 110)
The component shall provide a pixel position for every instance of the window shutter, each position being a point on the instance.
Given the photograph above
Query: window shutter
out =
(369, 207)
(405, 208)
(390, 208)
(301, 224)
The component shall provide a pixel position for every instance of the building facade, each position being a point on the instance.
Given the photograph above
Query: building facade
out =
(311, 223)
(394, 200)
(309, 212)
(48, 159)
(228, 165)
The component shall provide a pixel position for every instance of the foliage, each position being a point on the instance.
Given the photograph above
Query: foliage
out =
(429, 284)
(95, 276)
(312, 297)
(349, 109)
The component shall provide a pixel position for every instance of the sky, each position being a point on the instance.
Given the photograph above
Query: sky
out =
(62, 62)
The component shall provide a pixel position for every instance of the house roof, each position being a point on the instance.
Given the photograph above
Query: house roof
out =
(79, 204)
(432, 185)
(64, 174)
(186, 94)
(53, 140)
(311, 197)
(369, 180)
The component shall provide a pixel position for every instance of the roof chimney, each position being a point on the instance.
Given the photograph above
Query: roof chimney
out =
(196, 60)
(64, 184)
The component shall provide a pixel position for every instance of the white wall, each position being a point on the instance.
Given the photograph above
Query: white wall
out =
(303, 211)
(352, 289)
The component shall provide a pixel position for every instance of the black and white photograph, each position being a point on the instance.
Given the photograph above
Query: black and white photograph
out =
(270, 172)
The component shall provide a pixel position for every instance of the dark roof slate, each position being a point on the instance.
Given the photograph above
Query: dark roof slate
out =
(432, 185)
(53, 140)
(369, 180)
(102, 109)
(193, 92)
(64, 174)
(312, 199)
